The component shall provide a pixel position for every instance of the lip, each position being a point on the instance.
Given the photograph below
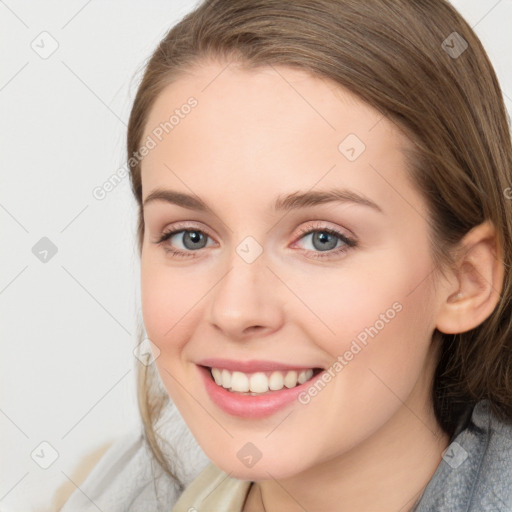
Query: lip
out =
(247, 406)
(251, 366)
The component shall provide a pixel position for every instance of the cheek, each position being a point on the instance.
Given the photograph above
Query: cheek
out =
(167, 303)
(381, 328)
(377, 316)
(339, 304)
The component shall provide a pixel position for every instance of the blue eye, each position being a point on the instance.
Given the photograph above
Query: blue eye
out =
(191, 240)
(323, 242)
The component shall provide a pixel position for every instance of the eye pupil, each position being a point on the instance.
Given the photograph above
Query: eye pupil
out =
(195, 237)
(327, 240)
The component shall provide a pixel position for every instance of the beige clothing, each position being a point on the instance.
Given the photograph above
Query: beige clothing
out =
(213, 491)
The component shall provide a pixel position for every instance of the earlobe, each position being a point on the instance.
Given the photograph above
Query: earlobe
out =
(475, 292)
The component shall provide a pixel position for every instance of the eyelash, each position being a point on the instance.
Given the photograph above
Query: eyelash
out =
(349, 242)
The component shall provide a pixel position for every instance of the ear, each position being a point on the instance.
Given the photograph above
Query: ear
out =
(475, 291)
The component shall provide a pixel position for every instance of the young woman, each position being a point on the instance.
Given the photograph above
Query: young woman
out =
(325, 237)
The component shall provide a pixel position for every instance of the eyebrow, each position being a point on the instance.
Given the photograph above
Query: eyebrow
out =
(292, 201)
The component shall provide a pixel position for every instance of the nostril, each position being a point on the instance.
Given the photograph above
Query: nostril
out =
(254, 328)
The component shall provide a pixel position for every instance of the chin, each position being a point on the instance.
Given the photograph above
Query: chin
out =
(261, 470)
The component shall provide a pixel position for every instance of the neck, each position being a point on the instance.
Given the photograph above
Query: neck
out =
(359, 481)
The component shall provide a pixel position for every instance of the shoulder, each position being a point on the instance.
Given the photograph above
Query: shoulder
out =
(127, 478)
(493, 485)
(475, 472)
(118, 480)
(213, 489)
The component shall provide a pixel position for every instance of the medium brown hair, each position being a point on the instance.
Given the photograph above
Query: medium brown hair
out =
(390, 53)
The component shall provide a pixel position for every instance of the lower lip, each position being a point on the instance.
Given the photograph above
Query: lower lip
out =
(249, 406)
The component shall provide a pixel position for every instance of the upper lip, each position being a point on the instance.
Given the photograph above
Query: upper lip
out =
(251, 366)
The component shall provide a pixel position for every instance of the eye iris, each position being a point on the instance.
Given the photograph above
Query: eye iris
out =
(195, 237)
(323, 238)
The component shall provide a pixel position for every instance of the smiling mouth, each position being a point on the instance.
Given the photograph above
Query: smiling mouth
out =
(260, 383)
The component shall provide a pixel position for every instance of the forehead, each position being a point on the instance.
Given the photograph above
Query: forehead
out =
(270, 129)
(228, 93)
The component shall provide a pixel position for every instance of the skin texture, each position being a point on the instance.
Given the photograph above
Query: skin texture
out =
(369, 440)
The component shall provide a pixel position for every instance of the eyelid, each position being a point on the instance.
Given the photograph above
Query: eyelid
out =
(185, 226)
(319, 225)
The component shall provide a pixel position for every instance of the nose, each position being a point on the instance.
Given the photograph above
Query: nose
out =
(244, 303)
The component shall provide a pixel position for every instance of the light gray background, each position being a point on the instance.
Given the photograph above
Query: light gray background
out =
(68, 325)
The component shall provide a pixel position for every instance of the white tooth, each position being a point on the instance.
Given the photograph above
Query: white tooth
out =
(276, 381)
(226, 379)
(239, 382)
(291, 379)
(217, 376)
(258, 383)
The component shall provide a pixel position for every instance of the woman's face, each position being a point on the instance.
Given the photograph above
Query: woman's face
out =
(279, 272)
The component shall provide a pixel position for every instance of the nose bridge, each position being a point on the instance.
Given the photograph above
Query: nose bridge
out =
(245, 296)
